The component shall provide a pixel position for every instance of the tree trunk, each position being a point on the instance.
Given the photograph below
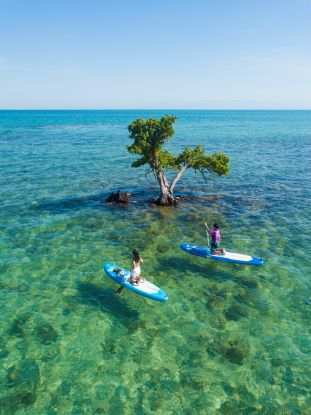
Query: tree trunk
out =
(166, 197)
(166, 191)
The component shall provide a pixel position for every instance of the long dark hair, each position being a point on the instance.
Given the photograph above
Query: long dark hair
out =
(136, 255)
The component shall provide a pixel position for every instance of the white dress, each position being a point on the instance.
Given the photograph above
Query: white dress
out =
(136, 271)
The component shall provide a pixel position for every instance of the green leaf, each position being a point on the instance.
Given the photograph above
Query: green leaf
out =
(149, 137)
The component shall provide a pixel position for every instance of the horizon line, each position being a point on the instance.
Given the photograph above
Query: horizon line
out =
(155, 109)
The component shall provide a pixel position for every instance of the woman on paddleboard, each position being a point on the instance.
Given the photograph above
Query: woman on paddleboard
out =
(216, 238)
(135, 277)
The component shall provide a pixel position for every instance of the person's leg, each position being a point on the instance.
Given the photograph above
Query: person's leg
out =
(214, 248)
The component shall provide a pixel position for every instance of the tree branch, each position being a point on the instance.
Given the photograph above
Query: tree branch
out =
(177, 177)
(148, 171)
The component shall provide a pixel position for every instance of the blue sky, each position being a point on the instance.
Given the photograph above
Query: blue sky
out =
(155, 54)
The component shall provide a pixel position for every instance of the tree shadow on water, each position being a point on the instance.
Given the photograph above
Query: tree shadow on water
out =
(139, 198)
(95, 201)
(106, 300)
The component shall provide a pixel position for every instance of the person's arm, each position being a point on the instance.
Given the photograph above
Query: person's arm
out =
(141, 260)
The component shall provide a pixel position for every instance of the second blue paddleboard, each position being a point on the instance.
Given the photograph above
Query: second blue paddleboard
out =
(228, 257)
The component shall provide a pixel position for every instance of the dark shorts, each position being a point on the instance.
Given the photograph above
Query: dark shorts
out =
(214, 246)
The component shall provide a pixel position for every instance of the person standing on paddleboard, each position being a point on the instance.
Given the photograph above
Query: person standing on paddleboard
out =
(216, 238)
(135, 277)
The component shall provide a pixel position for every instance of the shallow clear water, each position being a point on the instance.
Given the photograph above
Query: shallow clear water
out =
(230, 340)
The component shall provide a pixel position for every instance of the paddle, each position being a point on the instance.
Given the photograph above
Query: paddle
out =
(207, 235)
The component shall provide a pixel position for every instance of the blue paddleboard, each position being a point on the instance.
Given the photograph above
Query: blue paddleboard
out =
(228, 257)
(146, 288)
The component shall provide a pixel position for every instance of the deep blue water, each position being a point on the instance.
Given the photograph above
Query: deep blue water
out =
(230, 340)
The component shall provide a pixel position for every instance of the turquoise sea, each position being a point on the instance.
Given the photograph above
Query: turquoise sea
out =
(230, 340)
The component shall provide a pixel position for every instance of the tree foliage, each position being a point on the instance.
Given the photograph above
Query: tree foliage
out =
(149, 137)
